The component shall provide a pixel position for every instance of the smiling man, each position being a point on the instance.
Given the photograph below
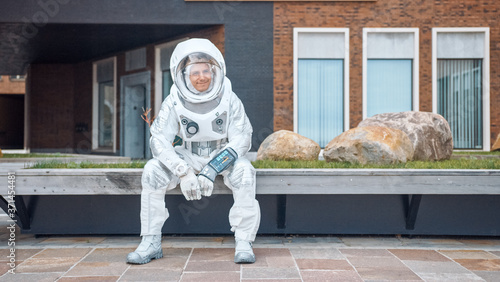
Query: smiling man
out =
(200, 75)
(210, 118)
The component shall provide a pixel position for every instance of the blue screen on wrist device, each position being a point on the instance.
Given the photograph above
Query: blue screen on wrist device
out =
(223, 160)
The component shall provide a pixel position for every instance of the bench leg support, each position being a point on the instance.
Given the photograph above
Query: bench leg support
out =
(411, 216)
(281, 212)
(22, 212)
(21, 216)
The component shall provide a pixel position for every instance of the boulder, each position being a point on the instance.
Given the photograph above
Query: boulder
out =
(289, 146)
(370, 145)
(496, 145)
(430, 133)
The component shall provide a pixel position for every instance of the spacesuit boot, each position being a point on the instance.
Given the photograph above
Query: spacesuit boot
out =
(150, 248)
(243, 252)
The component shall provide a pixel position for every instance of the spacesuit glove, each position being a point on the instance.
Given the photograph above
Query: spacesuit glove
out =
(206, 185)
(190, 186)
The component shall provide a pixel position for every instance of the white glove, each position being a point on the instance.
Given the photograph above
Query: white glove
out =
(190, 186)
(206, 185)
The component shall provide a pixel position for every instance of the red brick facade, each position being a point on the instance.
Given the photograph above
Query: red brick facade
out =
(383, 13)
(51, 106)
(9, 86)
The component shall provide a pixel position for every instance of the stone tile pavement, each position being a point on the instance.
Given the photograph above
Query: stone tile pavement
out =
(279, 258)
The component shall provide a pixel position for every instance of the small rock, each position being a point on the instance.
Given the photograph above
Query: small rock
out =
(496, 145)
(430, 133)
(370, 144)
(289, 146)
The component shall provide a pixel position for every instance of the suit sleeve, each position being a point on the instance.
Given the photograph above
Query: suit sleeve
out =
(163, 132)
(239, 128)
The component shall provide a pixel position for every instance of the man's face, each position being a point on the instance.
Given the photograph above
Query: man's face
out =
(200, 76)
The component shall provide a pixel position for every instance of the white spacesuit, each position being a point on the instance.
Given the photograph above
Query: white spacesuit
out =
(216, 133)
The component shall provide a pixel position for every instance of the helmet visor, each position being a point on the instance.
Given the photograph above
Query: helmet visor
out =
(200, 75)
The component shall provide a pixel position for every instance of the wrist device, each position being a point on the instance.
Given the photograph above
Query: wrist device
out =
(220, 163)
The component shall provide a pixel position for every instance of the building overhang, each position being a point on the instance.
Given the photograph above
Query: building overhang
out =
(23, 44)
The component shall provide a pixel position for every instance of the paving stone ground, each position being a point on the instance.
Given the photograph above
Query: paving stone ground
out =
(279, 258)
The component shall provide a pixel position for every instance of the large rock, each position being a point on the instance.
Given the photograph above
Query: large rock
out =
(289, 146)
(430, 133)
(370, 144)
(496, 145)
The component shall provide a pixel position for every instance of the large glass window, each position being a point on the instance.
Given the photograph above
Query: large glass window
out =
(320, 99)
(461, 84)
(167, 83)
(389, 86)
(163, 78)
(106, 110)
(163, 75)
(460, 100)
(390, 70)
(104, 106)
(321, 93)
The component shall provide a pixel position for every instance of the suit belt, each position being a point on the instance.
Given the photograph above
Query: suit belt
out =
(205, 148)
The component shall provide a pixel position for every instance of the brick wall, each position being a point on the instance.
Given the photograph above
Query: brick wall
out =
(51, 107)
(83, 108)
(214, 34)
(8, 86)
(384, 13)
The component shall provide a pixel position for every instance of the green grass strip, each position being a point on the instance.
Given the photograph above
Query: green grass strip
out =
(472, 153)
(34, 155)
(86, 164)
(447, 164)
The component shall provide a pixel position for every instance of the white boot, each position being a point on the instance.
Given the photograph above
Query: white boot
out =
(243, 252)
(149, 248)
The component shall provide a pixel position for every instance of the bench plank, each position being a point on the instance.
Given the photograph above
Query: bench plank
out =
(270, 181)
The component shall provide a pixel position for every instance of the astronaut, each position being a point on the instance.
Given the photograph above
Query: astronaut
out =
(216, 133)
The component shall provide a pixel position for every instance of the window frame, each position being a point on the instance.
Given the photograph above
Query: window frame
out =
(158, 76)
(415, 72)
(485, 73)
(95, 107)
(296, 32)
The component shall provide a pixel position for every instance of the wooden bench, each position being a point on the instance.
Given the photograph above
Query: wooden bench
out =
(412, 182)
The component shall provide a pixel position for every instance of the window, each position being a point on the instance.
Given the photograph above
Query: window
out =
(135, 59)
(105, 115)
(167, 83)
(104, 106)
(460, 88)
(388, 80)
(390, 70)
(162, 76)
(321, 86)
(17, 78)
